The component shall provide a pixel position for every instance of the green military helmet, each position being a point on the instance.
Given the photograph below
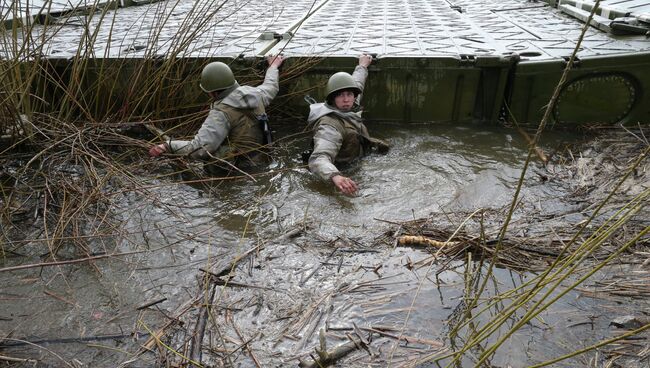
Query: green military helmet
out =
(340, 81)
(216, 76)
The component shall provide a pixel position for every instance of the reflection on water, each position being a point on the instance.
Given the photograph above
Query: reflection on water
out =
(429, 168)
(180, 228)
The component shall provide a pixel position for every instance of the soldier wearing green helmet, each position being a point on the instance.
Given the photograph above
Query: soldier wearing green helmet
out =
(340, 136)
(235, 128)
(216, 76)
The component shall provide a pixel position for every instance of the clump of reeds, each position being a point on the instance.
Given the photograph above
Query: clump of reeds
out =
(71, 126)
(484, 323)
(75, 131)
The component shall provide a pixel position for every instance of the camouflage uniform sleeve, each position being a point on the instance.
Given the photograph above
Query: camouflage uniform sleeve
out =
(212, 133)
(270, 87)
(327, 143)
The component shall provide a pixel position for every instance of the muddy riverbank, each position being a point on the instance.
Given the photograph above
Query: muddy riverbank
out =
(125, 264)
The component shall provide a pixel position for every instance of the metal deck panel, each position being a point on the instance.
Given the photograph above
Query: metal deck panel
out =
(34, 7)
(204, 28)
(407, 28)
(24, 12)
(435, 28)
(632, 6)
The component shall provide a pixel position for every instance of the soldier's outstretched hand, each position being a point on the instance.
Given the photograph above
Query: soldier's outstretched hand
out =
(345, 185)
(275, 60)
(157, 150)
(365, 60)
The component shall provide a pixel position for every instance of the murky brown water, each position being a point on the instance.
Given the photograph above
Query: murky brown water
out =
(181, 228)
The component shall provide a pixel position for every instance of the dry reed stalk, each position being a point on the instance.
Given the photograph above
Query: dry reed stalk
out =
(423, 240)
(564, 266)
(246, 343)
(73, 120)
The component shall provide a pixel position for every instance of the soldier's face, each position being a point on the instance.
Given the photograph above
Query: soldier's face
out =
(344, 101)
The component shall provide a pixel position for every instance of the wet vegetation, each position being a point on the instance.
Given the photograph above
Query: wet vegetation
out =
(73, 151)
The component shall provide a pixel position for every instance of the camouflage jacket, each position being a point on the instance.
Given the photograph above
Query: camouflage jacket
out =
(231, 119)
(338, 136)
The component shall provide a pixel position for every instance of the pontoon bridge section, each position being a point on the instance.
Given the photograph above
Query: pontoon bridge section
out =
(436, 60)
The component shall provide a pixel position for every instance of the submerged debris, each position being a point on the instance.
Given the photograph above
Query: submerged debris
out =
(628, 322)
(361, 301)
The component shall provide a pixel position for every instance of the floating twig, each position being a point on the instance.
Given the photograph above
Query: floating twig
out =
(152, 303)
(327, 358)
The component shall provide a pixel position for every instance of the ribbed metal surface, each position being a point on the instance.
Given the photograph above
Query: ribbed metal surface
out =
(344, 28)
(464, 61)
(185, 28)
(20, 9)
(431, 28)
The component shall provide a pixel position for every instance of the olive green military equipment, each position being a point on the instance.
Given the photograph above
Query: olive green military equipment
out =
(216, 76)
(243, 147)
(340, 81)
(245, 137)
(356, 140)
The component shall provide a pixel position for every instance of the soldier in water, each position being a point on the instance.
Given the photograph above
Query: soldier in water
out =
(236, 128)
(340, 136)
